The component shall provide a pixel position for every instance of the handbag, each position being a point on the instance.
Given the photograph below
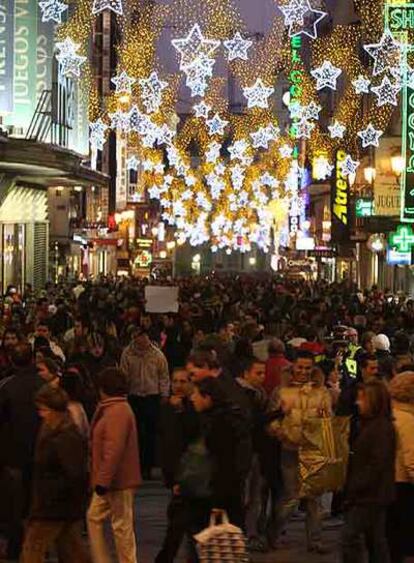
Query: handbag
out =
(221, 542)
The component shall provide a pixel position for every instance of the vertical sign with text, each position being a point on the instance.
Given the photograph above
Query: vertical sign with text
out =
(340, 231)
(6, 55)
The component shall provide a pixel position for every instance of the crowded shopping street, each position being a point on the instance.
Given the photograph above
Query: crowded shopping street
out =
(271, 419)
(207, 281)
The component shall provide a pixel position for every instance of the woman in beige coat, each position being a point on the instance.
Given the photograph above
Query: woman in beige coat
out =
(401, 514)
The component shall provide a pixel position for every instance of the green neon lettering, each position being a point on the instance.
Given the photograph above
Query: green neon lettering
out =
(411, 137)
(396, 19)
(296, 42)
(296, 76)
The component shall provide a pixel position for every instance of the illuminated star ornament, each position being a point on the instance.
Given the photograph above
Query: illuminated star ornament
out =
(112, 5)
(132, 163)
(216, 125)
(370, 136)
(361, 85)
(301, 18)
(152, 89)
(202, 110)
(52, 10)
(326, 75)
(123, 83)
(237, 47)
(258, 94)
(312, 111)
(386, 53)
(337, 130)
(69, 60)
(194, 46)
(349, 166)
(97, 133)
(303, 129)
(386, 92)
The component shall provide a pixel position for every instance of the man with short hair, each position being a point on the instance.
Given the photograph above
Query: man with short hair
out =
(146, 369)
(115, 470)
(43, 330)
(368, 364)
(297, 400)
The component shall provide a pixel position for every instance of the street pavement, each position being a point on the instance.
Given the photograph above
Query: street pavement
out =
(151, 522)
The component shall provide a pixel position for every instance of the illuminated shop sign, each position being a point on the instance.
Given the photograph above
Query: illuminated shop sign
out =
(396, 258)
(340, 202)
(399, 19)
(402, 239)
(364, 208)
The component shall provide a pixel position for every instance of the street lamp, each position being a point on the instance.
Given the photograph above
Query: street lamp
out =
(397, 164)
(370, 174)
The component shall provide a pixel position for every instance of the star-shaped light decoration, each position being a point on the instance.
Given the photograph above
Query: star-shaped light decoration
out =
(213, 152)
(361, 85)
(120, 120)
(154, 192)
(237, 176)
(312, 111)
(138, 121)
(326, 75)
(165, 135)
(269, 180)
(159, 168)
(386, 92)
(337, 130)
(321, 168)
(112, 5)
(238, 149)
(370, 136)
(123, 83)
(202, 110)
(69, 60)
(237, 47)
(303, 129)
(152, 88)
(97, 133)
(258, 94)
(216, 125)
(193, 46)
(285, 151)
(349, 166)
(301, 18)
(260, 138)
(148, 165)
(52, 10)
(132, 163)
(386, 53)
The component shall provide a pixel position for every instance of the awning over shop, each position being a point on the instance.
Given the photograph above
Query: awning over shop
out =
(42, 164)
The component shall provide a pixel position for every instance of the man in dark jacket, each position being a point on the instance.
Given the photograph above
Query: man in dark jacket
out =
(19, 424)
(60, 484)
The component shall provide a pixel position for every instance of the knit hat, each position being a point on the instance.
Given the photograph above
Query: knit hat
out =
(381, 342)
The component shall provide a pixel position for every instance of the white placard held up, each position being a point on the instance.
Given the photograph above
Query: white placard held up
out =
(161, 299)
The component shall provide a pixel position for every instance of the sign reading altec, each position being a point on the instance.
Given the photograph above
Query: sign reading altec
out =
(340, 202)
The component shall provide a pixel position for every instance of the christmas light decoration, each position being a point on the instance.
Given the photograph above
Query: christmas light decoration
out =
(69, 60)
(337, 130)
(370, 136)
(361, 85)
(194, 46)
(52, 10)
(133, 163)
(237, 47)
(216, 125)
(112, 5)
(386, 92)
(123, 83)
(349, 166)
(152, 88)
(97, 134)
(386, 54)
(202, 110)
(301, 18)
(326, 75)
(258, 94)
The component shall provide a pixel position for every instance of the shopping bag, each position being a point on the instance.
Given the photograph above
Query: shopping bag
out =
(323, 455)
(221, 542)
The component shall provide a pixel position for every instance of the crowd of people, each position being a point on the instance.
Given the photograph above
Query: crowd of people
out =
(233, 397)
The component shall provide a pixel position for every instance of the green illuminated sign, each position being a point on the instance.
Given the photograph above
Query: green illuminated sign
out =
(364, 208)
(399, 19)
(402, 239)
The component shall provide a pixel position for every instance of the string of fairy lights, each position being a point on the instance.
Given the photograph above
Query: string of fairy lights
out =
(223, 175)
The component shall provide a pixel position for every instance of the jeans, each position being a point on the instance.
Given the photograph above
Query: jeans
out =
(365, 525)
(146, 411)
(42, 534)
(290, 501)
(119, 507)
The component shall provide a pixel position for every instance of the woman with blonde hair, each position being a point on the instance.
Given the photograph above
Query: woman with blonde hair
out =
(401, 513)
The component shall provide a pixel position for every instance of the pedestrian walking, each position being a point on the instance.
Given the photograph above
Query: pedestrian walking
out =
(115, 470)
(60, 484)
(370, 484)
